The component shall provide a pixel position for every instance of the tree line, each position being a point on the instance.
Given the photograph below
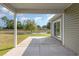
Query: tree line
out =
(26, 25)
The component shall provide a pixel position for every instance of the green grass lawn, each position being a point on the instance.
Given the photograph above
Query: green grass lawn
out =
(20, 38)
(40, 35)
(6, 41)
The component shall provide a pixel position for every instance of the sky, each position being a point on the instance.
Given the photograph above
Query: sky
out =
(40, 19)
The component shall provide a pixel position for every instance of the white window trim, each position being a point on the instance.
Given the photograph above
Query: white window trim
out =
(59, 20)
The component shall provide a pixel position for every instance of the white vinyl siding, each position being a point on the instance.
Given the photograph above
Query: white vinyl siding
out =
(71, 27)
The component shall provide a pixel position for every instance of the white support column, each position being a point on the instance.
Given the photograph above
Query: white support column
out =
(63, 29)
(15, 31)
(51, 27)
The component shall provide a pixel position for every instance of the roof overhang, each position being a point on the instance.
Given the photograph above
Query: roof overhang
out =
(48, 8)
(55, 17)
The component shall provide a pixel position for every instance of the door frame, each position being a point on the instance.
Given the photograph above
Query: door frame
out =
(58, 20)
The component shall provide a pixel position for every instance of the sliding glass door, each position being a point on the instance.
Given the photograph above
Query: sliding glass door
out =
(57, 29)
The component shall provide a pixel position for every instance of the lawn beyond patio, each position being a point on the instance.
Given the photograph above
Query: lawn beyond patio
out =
(6, 40)
(39, 34)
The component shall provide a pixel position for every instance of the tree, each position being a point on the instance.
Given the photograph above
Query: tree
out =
(48, 25)
(19, 25)
(5, 19)
(30, 25)
(39, 27)
(44, 27)
(9, 23)
(1, 28)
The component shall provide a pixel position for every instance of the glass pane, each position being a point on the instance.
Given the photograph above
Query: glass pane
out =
(57, 29)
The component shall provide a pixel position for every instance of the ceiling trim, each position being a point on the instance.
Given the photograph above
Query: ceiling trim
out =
(43, 11)
(9, 6)
(50, 11)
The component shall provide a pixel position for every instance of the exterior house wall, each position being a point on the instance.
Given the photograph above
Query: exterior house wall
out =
(71, 27)
(58, 18)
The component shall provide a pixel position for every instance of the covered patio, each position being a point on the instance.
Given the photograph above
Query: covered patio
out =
(40, 46)
(47, 47)
(41, 8)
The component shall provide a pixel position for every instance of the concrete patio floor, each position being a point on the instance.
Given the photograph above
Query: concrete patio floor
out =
(47, 47)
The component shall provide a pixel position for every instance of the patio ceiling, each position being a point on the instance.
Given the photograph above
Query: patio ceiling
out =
(38, 7)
